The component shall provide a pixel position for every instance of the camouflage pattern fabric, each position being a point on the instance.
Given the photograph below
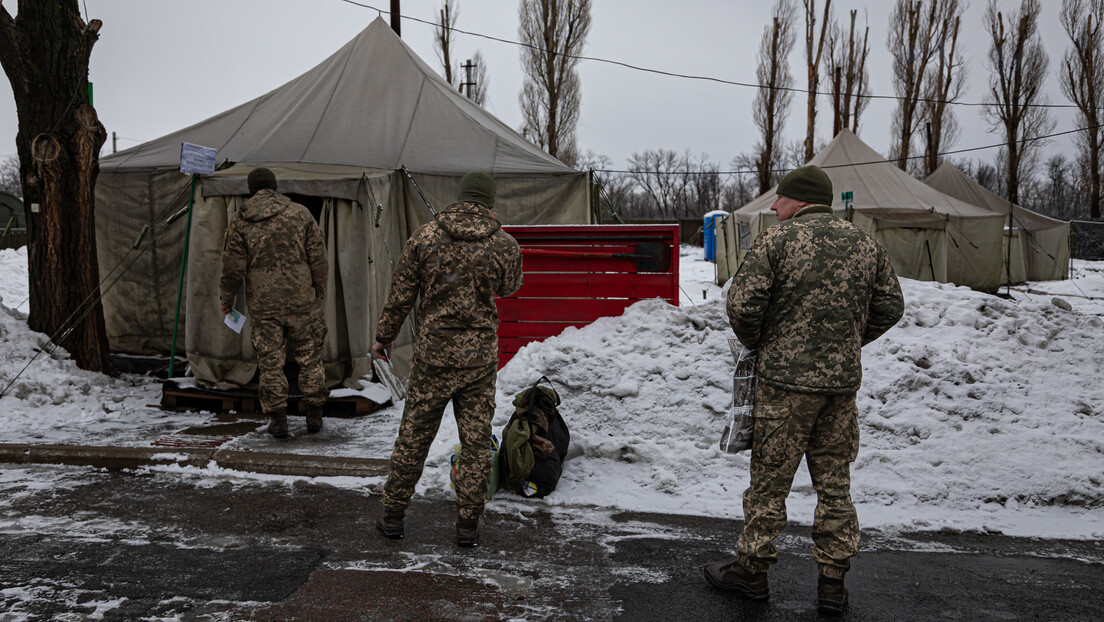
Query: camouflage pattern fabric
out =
(788, 425)
(303, 335)
(809, 294)
(472, 391)
(458, 264)
(276, 247)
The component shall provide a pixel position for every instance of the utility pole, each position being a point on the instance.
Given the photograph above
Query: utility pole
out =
(114, 142)
(468, 82)
(396, 15)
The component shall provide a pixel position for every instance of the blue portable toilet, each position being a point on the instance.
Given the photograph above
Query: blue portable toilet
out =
(710, 237)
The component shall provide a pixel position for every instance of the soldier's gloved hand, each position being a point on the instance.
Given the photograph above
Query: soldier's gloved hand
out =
(381, 350)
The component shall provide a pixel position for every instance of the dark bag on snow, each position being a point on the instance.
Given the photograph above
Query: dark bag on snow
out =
(534, 443)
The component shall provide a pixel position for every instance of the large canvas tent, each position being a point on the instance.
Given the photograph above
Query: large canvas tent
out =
(929, 235)
(1036, 247)
(336, 137)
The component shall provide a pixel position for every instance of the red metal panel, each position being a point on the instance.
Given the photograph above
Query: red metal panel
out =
(538, 263)
(573, 276)
(599, 285)
(513, 344)
(535, 329)
(561, 310)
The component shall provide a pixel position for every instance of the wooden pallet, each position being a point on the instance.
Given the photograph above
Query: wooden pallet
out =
(245, 402)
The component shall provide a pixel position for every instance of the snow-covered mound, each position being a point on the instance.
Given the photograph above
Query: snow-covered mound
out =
(54, 401)
(13, 277)
(976, 412)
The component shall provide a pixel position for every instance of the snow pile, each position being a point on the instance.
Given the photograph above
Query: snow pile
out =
(54, 401)
(13, 283)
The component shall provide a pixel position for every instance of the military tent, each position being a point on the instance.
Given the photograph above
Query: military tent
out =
(929, 236)
(1036, 247)
(336, 137)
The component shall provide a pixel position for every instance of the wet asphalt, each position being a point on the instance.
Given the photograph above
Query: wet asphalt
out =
(79, 543)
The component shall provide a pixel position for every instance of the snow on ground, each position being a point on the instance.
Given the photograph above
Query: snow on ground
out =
(13, 278)
(976, 412)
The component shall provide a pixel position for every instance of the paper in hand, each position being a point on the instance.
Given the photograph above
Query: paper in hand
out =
(235, 320)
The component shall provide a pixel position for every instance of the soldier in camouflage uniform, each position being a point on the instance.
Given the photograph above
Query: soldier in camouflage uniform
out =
(276, 247)
(811, 292)
(457, 264)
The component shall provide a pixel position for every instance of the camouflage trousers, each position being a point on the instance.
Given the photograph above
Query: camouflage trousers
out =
(303, 334)
(472, 391)
(824, 429)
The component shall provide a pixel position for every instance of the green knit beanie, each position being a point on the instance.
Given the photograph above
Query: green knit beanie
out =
(479, 188)
(808, 183)
(261, 179)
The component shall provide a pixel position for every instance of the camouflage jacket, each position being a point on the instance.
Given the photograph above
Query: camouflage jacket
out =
(276, 247)
(458, 264)
(809, 294)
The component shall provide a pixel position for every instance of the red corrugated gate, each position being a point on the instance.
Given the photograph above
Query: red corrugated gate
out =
(575, 274)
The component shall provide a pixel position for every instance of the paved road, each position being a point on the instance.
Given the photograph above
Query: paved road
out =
(77, 543)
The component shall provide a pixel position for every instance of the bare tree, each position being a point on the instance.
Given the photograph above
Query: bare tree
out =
(744, 186)
(847, 61)
(703, 186)
(45, 53)
(1019, 64)
(553, 33)
(442, 37)
(773, 99)
(814, 47)
(660, 176)
(943, 84)
(913, 30)
(1082, 81)
(9, 177)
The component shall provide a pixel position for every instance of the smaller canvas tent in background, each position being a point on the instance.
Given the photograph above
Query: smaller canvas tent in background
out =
(1036, 247)
(929, 236)
(336, 138)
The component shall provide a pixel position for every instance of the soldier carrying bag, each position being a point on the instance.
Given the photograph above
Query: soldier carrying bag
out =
(534, 443)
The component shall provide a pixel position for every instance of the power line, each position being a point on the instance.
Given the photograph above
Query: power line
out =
(675, 74)
(852, 164)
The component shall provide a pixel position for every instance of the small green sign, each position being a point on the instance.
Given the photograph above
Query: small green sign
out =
(847, 196)
(90, 94)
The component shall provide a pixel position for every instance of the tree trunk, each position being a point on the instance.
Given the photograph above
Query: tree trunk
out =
(45, 52)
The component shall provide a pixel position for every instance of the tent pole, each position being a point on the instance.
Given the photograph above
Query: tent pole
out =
(183, 265)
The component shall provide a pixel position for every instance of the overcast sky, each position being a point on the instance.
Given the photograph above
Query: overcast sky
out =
(161, 65)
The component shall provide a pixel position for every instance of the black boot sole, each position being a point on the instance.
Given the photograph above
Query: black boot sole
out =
(831, 607)
(742, 590)
(390, 535)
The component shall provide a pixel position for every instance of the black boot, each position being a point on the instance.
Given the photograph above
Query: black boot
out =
(467, 532)
(831, 595)
(314, 419)
(390, 524)
(732, 577)
(277, 423)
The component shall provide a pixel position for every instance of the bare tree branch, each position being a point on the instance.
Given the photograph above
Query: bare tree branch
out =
(1016, 87)
(554, 33)
(773, 99)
